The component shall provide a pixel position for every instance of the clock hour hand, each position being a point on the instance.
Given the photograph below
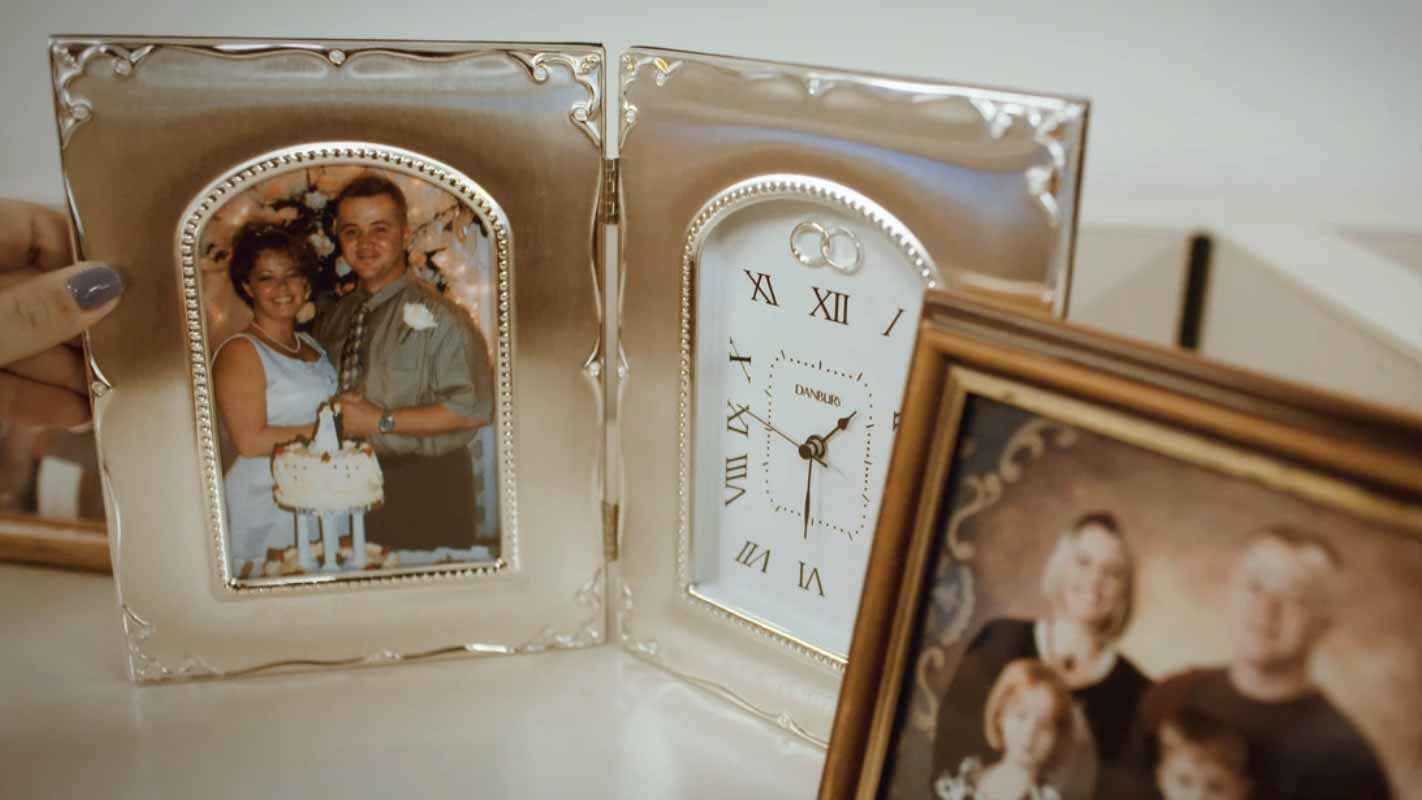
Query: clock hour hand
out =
(779, 432)
(817, 447)
(839, 426)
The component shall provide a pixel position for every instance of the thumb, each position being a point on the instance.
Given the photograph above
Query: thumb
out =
(54, 307)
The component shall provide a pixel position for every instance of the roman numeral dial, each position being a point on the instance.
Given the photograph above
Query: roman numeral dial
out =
(830, 305)
(736, 470)
(762, 289)
(794, 368)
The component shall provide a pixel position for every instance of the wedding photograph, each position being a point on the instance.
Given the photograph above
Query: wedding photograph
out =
(350, 320)
(1103, 619)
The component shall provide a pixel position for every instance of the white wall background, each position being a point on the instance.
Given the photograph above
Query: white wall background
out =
(1268, 111)
(1299, 117)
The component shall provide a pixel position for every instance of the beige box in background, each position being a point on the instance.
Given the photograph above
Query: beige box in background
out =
(1337, 309)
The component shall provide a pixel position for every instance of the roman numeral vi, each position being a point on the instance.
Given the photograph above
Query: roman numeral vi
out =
(811, 577)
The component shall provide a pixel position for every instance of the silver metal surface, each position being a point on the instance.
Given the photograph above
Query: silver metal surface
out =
(984, 184)
(184, 113)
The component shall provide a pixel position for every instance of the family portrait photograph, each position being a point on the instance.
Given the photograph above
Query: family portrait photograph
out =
(1102, 619)
(350, 317)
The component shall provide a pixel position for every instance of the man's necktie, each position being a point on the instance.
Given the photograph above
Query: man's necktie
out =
(350, 353)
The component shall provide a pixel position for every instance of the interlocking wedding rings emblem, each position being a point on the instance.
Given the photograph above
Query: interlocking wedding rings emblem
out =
(826, 254)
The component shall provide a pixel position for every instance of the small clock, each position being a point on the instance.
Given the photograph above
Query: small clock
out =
(778, 227)
(806, 302)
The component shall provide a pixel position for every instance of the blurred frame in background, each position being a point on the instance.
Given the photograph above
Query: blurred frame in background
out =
(51, 503)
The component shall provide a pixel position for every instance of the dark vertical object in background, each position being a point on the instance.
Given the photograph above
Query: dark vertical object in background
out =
(1197, 284)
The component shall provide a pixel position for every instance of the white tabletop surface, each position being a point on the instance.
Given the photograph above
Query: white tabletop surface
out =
(592, 723)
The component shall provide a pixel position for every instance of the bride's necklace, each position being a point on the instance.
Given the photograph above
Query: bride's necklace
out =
(296, 351)
(1070, 665)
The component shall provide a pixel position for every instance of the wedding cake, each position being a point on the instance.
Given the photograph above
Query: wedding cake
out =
(327, 475)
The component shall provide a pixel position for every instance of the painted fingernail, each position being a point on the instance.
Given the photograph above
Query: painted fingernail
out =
(94, 286)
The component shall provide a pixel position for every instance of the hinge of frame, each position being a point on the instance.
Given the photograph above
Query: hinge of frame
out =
(609, 531)
(611, 192)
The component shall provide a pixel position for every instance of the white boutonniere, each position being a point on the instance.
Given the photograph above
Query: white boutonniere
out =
(419, 317)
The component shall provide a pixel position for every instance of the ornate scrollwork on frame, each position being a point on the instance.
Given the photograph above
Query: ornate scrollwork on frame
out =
(1042, 180)
(587, 71)
(952, 596)
(68, 61)
(631, 67)
(1025, 445)
(146, 668)
(649, 649)
(588, 632)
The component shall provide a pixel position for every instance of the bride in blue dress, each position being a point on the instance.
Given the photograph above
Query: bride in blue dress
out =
(269, 381)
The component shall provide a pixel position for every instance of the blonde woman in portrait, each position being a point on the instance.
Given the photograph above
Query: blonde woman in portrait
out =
(269, 379)
(1029, 720)
(1088, 583)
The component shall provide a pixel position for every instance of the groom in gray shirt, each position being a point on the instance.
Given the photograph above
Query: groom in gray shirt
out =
(415, 378)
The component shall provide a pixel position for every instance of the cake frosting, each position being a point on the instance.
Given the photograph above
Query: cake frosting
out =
(327, 475)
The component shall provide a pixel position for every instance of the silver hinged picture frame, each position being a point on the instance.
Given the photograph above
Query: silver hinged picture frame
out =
(976, 189)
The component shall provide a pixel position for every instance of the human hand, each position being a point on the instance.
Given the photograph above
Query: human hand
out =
(359, 416)
(45, 303)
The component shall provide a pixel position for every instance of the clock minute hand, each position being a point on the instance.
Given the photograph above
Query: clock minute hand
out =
(810, 472)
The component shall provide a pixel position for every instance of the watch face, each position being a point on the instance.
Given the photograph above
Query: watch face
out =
(806, 303)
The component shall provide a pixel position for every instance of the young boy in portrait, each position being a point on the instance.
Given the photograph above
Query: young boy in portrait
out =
(1201, 758)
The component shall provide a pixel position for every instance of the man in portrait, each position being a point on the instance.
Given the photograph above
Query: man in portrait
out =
(1300, 746)
(414, 372)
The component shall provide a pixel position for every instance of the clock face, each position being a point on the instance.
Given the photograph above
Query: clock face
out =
(804, 321)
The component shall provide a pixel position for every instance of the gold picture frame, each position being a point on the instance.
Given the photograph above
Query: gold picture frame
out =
(73, 544)
(1010, 420)
(51, 505)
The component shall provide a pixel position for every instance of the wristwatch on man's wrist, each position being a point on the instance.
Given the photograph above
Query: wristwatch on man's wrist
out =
(387, 422)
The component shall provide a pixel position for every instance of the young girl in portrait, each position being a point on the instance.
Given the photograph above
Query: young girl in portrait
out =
(1201, 759)
(1029, 721)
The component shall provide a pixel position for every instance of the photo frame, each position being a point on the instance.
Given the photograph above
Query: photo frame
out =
(836, 176)
(51, 506)
(282, 131)
(1243, 552)
(460, 242)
